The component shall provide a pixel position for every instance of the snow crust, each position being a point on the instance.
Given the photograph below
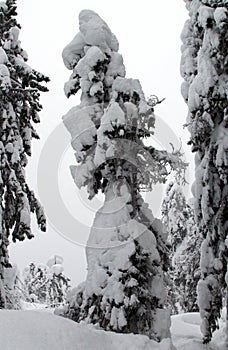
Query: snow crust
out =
(37, 330)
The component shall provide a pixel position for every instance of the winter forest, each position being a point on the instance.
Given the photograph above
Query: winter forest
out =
(114, 192)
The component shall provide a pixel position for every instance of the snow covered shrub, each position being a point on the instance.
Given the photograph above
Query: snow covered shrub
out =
(204, 69)
(20, 87)
(126, 250)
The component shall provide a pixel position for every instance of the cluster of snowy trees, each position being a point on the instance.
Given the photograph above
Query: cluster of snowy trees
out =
(20, 87)
(133, 260)
(46, 283)
(43, 284)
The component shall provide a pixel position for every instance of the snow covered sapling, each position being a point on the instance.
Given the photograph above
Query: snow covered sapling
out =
(203, 67)
(46, 283)
(20, 87)
(126, 250)
(35, 281)
(175, 215)
(185, 242)
(187, 266)
(174, 219)
(57, 284)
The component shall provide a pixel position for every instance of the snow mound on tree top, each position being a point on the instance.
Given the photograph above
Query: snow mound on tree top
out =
(32, 330)
(93, 32)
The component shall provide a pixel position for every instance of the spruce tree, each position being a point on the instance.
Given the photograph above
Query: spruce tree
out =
(46, 283)
(35, 281)
(174, 218)
(183, 272)
(204, 69)
(20, 88)
(126, 251)
(57, 284)
(175, 215)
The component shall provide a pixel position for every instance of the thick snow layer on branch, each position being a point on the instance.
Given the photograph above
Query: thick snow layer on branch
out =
(92, 57)
(57, 269)
(3, 56)
(93, 32)
(220, 15)
(78, 122)
(3, 6)
(4, 77)
(55, 259)
(19, 62)
(82, 172)
(73, 51)
(205, 13)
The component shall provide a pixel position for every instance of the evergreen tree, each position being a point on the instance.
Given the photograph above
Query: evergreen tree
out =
(57, 282)
(174, 218)
(183, 273)
(186, 266)
(46, 283)
(20, 88)
(204, 69)
(126, 251)
(35, 281)
(175, 215)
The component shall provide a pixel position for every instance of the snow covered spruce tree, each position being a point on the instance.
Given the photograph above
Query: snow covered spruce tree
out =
(46, 283)
(57, 283)
(175, 215)
(183, 274)
(126, 251)
(174, 218)
(19, 106)
(186, 265)
(204, 69)
(35, 282)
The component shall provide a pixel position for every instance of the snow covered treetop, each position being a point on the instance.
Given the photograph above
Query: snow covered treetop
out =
(93, 32)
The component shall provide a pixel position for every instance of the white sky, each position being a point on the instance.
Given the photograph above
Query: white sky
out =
(149, 35)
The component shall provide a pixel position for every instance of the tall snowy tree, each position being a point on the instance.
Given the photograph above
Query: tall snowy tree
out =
(204, 69)
(175, 215)
(20, 88)
(126, 251)
(186, 265)
(183, 273)
(174, 218)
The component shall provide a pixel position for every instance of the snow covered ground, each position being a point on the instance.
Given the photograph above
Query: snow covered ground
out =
(36, 330)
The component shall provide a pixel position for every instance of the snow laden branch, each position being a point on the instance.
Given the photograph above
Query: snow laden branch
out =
(126, 251)
(20, 88)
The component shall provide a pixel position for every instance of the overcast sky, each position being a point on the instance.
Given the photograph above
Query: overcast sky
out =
(149, 35)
